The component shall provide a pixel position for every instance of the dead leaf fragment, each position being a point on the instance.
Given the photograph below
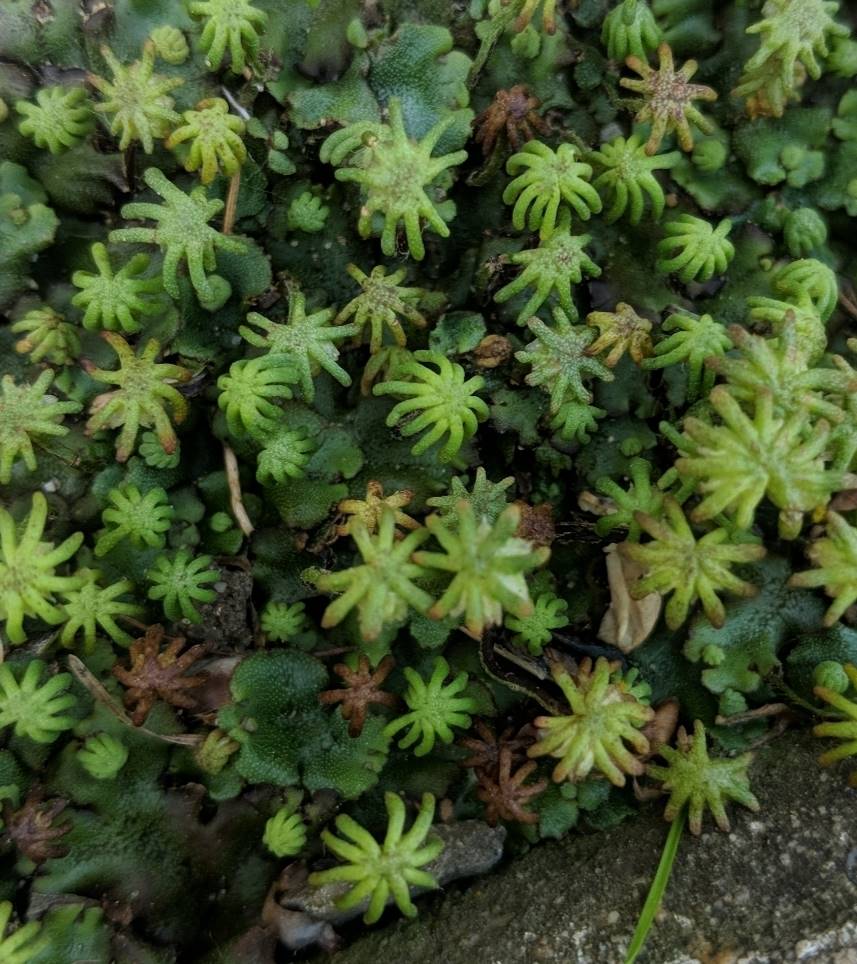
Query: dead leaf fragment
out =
(596, 504)
(628, 622)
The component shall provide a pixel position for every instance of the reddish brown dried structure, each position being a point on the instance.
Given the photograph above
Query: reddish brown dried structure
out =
(31, 827)
(362, 690)
(506, 795)
(492, 351)
(536, 523)
(513, 112)
(485, 749)
(154, 675)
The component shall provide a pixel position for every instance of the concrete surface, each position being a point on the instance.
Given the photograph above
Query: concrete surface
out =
(781, 888)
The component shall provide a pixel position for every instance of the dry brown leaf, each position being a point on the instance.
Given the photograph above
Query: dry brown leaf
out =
(628, 622)
(596, 504)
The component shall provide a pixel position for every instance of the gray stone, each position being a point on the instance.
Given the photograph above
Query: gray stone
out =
(780, 889)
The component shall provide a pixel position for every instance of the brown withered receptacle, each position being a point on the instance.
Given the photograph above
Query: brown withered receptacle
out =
(362, 688)
(154, 675)
(31, 827)
(506, 796)
(514, 114)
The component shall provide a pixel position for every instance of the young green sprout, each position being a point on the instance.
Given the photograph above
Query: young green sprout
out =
(380, 871)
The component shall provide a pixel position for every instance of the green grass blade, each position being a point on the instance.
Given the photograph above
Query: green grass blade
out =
(659, 886)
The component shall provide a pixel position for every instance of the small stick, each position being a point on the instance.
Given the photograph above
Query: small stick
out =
(781, 724)
(235, 502)
(231, 202)
(98, 692)
(760, 712)
(242, 112)
(131, 167)
(235, 181)
(848, 303)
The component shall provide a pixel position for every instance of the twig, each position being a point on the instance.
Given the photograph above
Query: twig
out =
(781, 724)
(235, 180)
(235, 501)
(131, 167)
(242, 112)
(231, 202)
(98, 692)
(848, 303)
(760, 712)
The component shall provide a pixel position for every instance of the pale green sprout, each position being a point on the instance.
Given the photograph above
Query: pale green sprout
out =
(28, 415)
(553, 267)
(90, 607)
(605, 716)
(285, 833)
(170, 45)
(546, 182)
(23, 944)
(844, 727)
(794, 35)
(630, 28)
(247, 393)
(435, 708)
(144, 396)
(28, 578)
(692, 342)
(36, 710)
(676, 562)
(782, 367)
(443, 402)
(285, 455)
(236, 25)
(282, 621)
(642, 495)
(695, 250)
(812, 278)
(834, 558)
(141, 518)
(181, 580)
(60, 118)
(487, 563)
(382, 301)
(378, 871)
(397, 176)
(559, 360)
(576, 421)
(183, 233)
(137, 100)
(627, 178)
(117, 299)
(747, 458)
(697, 782)
(305, 342)
(536, 630)
(47, 337)
(382, 586)
(307, 212)
(215, 140)
(103, 756)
